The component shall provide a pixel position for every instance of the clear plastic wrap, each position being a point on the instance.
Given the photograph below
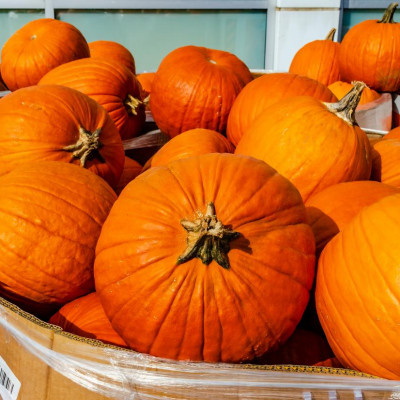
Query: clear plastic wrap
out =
(112, 372)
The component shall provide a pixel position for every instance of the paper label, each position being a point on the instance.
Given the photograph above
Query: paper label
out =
(9, 384)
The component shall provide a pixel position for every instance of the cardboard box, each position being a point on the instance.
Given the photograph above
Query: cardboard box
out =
(54, 365)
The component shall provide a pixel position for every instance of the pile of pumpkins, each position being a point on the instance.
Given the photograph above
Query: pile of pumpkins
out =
(266, 230)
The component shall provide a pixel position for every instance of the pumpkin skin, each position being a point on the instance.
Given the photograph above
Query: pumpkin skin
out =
(340, 89)
(330, 210)
(370, 52)
(195, 87)
(265, 91)
(114, 52)
(193, 311)
(45, 123)
(85, 317)
(190, 143)
(308, 144)
(131, 170)
(38, 47)
(146, 80)
(52, 214)
(112, 86)
(357, 294)
(318, 60)
(392, 134)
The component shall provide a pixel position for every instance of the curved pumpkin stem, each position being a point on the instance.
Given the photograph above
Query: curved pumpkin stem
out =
(87, 146)
(346, 107)
(208, 239)
(132, 103)
(389, 13)
(331, 35)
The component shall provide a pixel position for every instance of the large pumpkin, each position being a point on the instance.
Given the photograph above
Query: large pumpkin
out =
(357, 291)
(85, 317)
(313, 144)
(265, 91)
(330, 210)
(318, 60)
(212, 265)
(114, 52)
(113, 86)
(51, 218)
(195, 87)
(60, 124)
(191, 143)
(370, 52)
(38, 47)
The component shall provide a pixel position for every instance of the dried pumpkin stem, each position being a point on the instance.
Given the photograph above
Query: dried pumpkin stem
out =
(389, 14)
(207, 239)
(87, 147)
(331, 35)
(346, 107)
(132, 103)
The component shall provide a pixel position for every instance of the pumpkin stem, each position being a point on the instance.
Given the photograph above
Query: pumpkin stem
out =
(87, 146)
(346, 107)
(132, 103)
(207, 239)
(331, 35)
(389, 14)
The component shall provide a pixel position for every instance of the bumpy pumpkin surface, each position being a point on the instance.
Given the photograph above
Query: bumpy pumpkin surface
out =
(85, 317)
(265, 91)
(112, 86)
(60, 124)
(318, 60)
(50, 220)
(330, 210)
(370, 52)
(313, 144)
(38, 47)
(357, 291)
(212, 266)
(191, 143)
(114, 52)
(195, 87)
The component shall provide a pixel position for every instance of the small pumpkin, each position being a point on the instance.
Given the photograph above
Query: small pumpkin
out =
(340, 89)
(318, 60)
(52, 214)
(313, 144)
(146, 80)
(57, 123)
(114, 52)
(330, 210)
(195, 87)
(85, 317)
(38, 47)
(190, 143)
(370, 52)
(131, 170)
(357, 295)
(268, 90)
(212, 266)
(113, 86)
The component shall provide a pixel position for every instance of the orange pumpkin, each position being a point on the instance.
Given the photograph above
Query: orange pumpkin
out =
(267, 90)
(331, 362)
(114, 52)
(60, 124)
(370, 52)
(357, 291)
(146, 80)
(190, 143)
(131, 170)
(51, 218)
(393, 134)
(313, 144)
(85, 317)
(195, 87)
(330, 210)
(38, 47)
(340, 89)
(212, 265)
(318, 60)
(112, 86)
